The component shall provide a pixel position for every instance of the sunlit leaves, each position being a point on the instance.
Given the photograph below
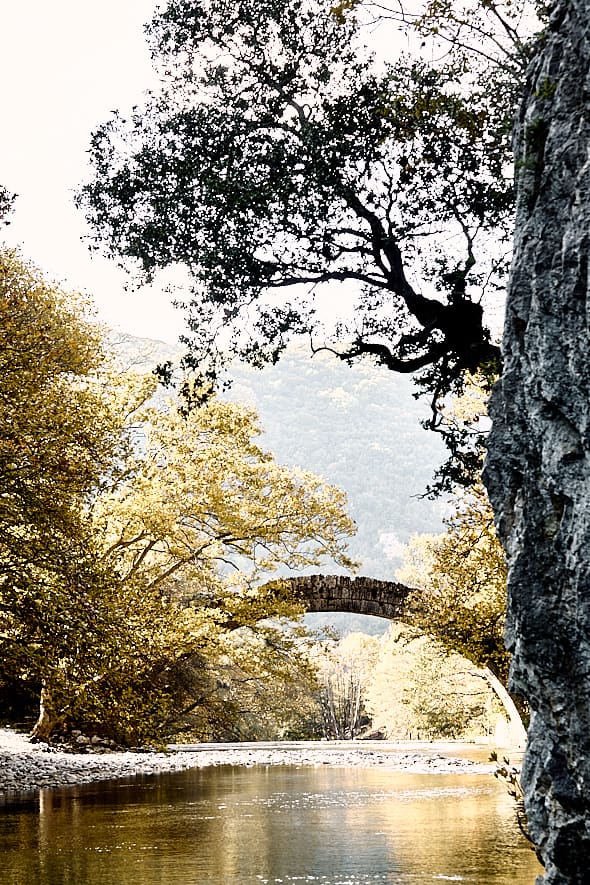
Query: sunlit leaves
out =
(58, 439)
(400, 685)
(462, 574)
(203, 493)
(200, 517)
(133, 539)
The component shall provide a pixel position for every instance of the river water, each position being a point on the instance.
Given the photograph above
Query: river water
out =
(264, 825)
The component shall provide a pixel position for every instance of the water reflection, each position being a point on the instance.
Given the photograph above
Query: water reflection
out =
(252, 826)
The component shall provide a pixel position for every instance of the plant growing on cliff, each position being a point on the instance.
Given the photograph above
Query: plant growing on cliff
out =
(509, 775)
(278, 157)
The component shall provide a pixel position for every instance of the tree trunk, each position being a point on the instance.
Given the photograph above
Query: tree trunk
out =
(48, 721)
(538, 467)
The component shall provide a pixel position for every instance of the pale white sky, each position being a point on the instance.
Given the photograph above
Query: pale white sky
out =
(64, 64)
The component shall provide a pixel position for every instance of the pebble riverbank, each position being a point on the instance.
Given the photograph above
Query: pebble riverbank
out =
(27, 767)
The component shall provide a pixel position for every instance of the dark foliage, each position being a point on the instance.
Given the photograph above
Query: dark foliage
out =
(277, 157)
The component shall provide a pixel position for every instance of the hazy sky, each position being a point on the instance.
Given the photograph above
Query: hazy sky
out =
(64, 64)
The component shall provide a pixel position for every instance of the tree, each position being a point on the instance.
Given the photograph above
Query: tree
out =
(402, 685)
(344, 670)
(55, 441)
(62, 619)
(199, 516)
(117, 522)
(277, 155)
(195, 516)
(462, 579)
(200, 493)
(446, 698)
(461, 595)
(264, 687)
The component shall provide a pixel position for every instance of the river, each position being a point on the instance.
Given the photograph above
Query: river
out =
(265, 825)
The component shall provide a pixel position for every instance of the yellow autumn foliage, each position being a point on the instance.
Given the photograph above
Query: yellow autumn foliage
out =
(133, 538)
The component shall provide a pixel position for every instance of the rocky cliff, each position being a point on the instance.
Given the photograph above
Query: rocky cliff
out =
(538, 470)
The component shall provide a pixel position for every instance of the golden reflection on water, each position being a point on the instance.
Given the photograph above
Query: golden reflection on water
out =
(250, 826)
(467, 828)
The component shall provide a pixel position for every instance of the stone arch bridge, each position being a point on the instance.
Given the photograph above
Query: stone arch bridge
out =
(363, 596)
(390, 600)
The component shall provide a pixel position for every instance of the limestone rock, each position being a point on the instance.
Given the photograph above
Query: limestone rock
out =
(538, 468)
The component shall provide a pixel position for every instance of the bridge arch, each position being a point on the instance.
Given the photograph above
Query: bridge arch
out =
(390, 600)
(362, 596)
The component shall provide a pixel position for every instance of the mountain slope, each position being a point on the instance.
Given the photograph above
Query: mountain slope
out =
(358, 427)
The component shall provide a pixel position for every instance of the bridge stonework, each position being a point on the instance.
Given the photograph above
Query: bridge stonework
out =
(339, 593)
(387, 599)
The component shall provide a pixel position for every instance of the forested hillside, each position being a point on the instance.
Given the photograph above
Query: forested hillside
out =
(358, 427)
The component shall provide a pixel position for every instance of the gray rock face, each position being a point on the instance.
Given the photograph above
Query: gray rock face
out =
(538, 468)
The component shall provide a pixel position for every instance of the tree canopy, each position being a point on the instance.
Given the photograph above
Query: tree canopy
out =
(200, 502)
(133, 538)
(462, 579)
(278, 156)
(400, 685)
(6, 203)
(59, 439)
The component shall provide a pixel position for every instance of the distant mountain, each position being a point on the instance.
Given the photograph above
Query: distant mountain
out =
(358, 427)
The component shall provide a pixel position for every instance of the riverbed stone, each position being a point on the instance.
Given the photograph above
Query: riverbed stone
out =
(25, 766)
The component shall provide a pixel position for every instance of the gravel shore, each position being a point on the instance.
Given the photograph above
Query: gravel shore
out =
(27, 767)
